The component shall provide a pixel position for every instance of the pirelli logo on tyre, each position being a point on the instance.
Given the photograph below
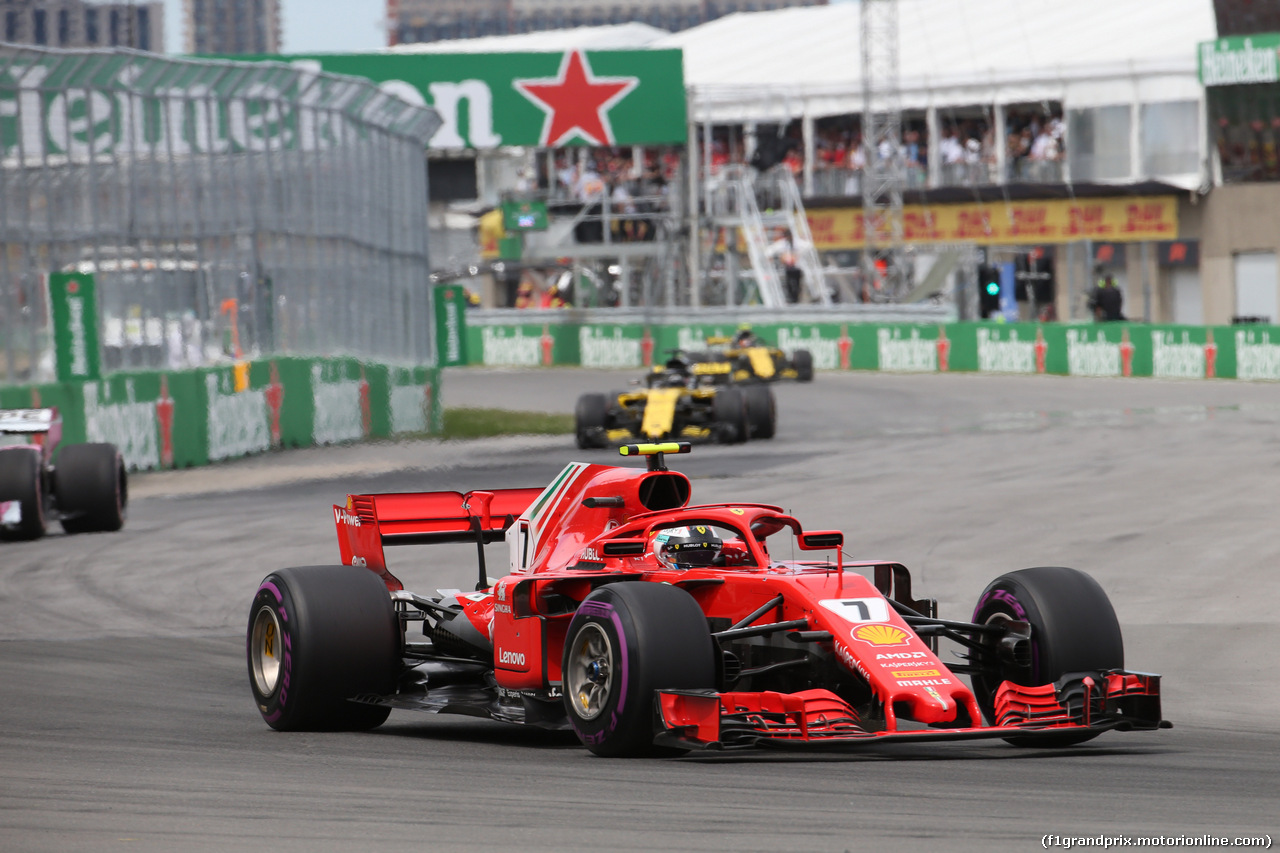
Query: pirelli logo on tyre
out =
(881, 635)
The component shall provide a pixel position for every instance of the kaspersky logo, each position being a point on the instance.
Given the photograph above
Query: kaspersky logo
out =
(576, 101)
(880, 635)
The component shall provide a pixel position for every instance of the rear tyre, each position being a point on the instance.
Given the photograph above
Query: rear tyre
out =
(318, 636)
(588, 418)
(762, 411)
(803, 361)
(92, 488)
(626, 641)
(21, 481)
(1073, 629)
(729, 408)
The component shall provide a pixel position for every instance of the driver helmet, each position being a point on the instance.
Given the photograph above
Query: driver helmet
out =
(692, 547)
(745, 334)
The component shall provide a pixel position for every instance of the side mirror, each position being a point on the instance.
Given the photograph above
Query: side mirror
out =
(821, 540)
(624, 548)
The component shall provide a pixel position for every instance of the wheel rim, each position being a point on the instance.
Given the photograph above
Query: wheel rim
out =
(264, 651)
(590, 672)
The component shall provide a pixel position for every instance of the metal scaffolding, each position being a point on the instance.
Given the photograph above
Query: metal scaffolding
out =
(885, 172)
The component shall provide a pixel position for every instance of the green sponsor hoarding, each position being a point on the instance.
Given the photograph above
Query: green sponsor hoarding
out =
(575, 97)
(177, 419)
(74, 305)
(80, 104)
(1112, 349)
(451, 324)
(1238, 60)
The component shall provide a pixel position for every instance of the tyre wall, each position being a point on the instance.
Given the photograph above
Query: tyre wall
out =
(177, 419)
(1114, 349)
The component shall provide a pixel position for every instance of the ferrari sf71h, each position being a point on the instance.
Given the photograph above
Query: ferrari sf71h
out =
(650, 626)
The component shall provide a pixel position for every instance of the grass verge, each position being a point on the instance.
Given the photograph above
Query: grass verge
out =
(485, 423)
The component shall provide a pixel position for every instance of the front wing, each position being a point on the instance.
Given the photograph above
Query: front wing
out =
(1079, 702)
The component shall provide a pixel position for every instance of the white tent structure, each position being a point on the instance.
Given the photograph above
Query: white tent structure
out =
(1124, 69)
(630, 36)
(766, 66)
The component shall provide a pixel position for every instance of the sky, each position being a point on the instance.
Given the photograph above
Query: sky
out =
(309, 26)
(312, 26)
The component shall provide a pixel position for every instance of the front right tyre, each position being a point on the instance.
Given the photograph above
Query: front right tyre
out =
(589, 420)
(92, 488)
(317, 637)
(626, 641)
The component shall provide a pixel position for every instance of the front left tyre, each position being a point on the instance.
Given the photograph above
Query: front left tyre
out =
(319, 636)
(1073, 629)
(21, 483)
(729, 409)
(762, 410)
(803, 361)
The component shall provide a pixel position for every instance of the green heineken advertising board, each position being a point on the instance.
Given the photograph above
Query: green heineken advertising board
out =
(83, 105)
(546, 100)
(451, 325)
(1240, 59)
(75, 326)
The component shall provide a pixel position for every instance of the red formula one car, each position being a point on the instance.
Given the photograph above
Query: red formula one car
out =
(650, 626)
(86, 490)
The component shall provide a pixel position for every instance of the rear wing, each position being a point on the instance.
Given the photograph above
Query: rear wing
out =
(44, 426)
(369, 522)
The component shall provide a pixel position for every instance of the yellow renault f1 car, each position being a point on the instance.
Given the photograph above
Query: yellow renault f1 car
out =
(679, 400)
(750, 359)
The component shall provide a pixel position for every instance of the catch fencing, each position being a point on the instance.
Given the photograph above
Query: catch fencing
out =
(226, 209)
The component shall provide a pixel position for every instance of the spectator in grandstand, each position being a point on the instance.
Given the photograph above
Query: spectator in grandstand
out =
(951, 150)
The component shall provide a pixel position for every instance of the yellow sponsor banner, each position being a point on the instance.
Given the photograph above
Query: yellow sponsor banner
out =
(1113, 220)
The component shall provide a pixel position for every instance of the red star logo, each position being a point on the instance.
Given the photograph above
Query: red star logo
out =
(576, 102)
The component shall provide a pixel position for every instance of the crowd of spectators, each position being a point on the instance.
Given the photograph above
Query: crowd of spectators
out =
(615, 193)
(1249, 149)
(1035, 148)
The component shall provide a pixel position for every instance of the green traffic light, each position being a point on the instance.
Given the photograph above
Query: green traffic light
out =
(993, 287)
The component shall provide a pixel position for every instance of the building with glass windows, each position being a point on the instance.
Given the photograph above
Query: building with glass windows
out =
(76, 23)
(1240, 71)
(232, 26)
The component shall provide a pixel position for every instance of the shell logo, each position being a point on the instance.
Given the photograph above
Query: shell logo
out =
(880, 635)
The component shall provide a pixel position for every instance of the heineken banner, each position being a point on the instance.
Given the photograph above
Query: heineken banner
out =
(75, 326)
(546, 100)
(163, 419)
(81, 105)
(1113, 349)
(451, 323)
(1240, 59)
